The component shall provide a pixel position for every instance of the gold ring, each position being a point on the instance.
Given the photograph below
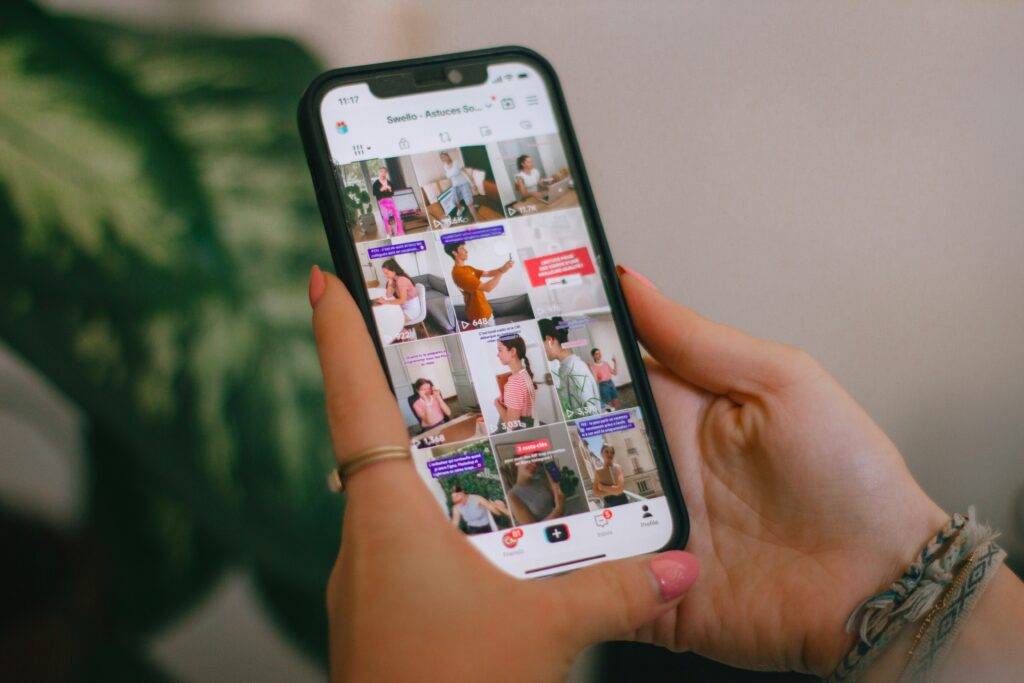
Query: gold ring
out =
(338, 478)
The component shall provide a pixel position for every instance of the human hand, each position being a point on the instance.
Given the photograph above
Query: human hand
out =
(800, 506)
(403, 569)
(558, 495)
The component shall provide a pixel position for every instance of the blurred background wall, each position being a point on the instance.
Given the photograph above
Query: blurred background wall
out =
(844, 177)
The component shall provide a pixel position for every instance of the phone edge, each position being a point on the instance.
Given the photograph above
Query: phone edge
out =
(346, 264)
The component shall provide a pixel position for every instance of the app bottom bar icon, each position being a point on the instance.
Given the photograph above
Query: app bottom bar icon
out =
(556, 533)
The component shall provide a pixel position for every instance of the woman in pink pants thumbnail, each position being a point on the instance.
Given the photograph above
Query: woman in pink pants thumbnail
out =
(384, 191)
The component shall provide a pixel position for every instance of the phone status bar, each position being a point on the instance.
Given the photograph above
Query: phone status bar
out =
(512, 103)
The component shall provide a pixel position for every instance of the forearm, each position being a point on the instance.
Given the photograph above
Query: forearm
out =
(495, 276)
(987, 648)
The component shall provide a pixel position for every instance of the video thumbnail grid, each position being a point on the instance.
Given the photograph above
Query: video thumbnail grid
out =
(524, 413)
(455, 186)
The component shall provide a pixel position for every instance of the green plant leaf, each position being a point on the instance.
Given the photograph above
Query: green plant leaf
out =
(164, 294)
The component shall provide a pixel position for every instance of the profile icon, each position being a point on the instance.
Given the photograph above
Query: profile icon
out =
(647, 512)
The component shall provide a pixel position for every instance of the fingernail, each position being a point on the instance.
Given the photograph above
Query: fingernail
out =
(675, 572)
(317, 285)
(625, 270)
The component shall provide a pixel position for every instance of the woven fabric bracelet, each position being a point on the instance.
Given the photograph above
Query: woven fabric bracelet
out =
(881, 617)
(942, 625)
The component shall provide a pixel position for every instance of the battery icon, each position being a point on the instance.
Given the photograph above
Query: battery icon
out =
(524, 75)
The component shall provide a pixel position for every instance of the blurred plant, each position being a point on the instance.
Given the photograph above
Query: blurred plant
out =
(156, 227)
(356, 203)
(569, 482)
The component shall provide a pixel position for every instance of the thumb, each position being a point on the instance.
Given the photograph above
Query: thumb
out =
(715, 357)
(611, 600)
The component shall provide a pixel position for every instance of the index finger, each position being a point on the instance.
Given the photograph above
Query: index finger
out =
(361, 409)
(386, 496)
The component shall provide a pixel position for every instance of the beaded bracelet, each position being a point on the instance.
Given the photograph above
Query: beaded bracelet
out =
(961, 548)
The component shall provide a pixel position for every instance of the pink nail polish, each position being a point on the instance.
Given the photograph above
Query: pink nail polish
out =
(317, 285)
(632, 273)
(675, 572)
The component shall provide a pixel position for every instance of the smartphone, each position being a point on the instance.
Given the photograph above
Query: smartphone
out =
(428, 174)
(553, 471)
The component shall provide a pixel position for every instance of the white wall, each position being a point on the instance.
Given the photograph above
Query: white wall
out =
(369, 266)
(551, 153)
(602, 334)
(506, 190)
(419, 262)
(435, 368)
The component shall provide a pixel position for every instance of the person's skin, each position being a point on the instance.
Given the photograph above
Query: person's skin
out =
(462, 255)
(521, 186)
(495, 507)
(553, 349)
(524, 474)
(392, 286)
(385, 182)
(401, 567)
(608, 455)
(425, 392)
(508, 357)
(447, 160)
(800, 507)
(614, 403)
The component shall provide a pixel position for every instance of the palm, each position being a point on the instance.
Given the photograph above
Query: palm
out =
(787, 550)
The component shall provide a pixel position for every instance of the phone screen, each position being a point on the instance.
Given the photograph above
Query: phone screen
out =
(490, 299)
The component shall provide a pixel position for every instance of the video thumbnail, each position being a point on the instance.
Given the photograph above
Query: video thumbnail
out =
(587, 364)
(458, 186)
(434, 391)
(510, 375)
(405, 282)
(538, 469)
(465, 481)
(534, 177)
(615, 459)
(381, 198)
(555, 251)
(483, 268)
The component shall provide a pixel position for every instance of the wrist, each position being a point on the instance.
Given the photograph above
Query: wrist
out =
(882, 559)
(907, 626)
(985, 648)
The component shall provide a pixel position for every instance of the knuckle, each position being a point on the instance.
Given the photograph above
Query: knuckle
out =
(794, 363)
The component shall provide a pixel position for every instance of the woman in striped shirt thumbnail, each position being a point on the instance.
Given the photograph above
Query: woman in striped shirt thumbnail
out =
(515, 407)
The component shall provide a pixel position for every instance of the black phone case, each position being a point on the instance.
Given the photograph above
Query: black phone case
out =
(346, 263)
